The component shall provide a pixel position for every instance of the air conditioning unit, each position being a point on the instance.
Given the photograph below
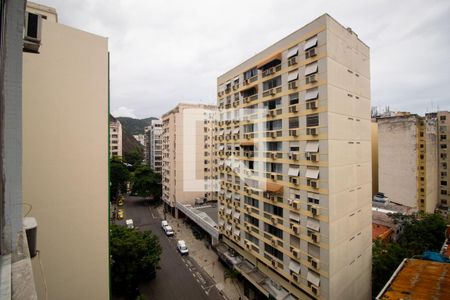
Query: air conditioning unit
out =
(293, 108)
(310, 53)
(274, 263)
(271, 113)
(247, 245)
(311, 131)
(248, 208)
(296, 253)
(246, 99)
(311, 104)
(315, 264)
(315, 237)
(296, 205)
(315, 290)
(273, 176)
(315, 210)
(273, 134)
(292, 61)
(296, 229)
(273, 242)
(293, 180)
(311, 79)
(293, 132)
(292, 85)
(272, 92)
(32, 32)
(274, 220)
(313, 183)
(314, 157)
(246, 81)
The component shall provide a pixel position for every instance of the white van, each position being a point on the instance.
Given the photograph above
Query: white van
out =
(129, 223)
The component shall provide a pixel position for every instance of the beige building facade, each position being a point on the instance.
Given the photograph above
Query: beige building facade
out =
(187, 154)
(65, 113)
(293, 148)
(443, 119)
(115, 138)
(153, 145)
(407, 160)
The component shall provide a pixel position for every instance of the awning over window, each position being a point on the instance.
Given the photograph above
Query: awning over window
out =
(236, 130)
(236, 215)
(237, 232)
(311, 68)
(311, 42)
(312, 146)
(294, 267)
(292, 52)
(236, 164)
(237, 197)
(314, 196)
(313, 224)
(228, 195)
(247, 143)
(236, 78)
(312, 173)
(273, 187)
(293, 171)
(294, 144)
(227, 83)
(221, 222)
(293, 75)
(266, 61)
(293, 216)
(228, 227)
(312, 94)
(228, 211)
(221, 88)
(221, 132)
(228, 131)
(313, 277)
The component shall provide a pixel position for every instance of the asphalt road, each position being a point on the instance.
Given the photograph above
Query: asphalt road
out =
(179, 277)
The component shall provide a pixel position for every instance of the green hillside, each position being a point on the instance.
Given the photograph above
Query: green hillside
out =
(135, 126)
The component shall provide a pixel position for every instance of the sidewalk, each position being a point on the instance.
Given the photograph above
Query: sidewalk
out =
(205, 257)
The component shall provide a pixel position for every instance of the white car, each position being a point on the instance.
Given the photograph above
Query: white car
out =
(129, 223)
(164, 223)
(168, 230)
(181, 246)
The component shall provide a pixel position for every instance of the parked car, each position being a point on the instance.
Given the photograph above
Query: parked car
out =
(164, 223)
(120, 214)
(168, 230)
(129, 223)
(182, 248)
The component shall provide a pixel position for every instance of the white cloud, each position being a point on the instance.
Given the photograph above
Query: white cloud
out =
(165, 52)
(124, 112)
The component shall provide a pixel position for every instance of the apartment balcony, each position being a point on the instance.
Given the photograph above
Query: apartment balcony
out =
(272, 91)
(272, 70)
(250, 80)
(250, 98)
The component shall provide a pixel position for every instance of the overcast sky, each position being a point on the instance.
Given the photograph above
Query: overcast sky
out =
(164, 52)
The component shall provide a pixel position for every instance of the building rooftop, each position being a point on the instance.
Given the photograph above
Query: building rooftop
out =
(418, 279)
(380, 231)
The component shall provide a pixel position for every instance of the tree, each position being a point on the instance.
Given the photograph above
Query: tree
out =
(118, 176)
(233, 275)
(420, 233)
(146, 183)
(135, 256)
(134, 157)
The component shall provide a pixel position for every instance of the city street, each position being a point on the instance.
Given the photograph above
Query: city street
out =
(179, 277)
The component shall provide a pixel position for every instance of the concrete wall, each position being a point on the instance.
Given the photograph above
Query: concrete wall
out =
(397, 159)
(374, 157)
(431, 157)
(65, 160)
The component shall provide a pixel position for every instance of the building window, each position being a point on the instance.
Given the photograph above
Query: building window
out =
(443, 183)
(293, 122)
(250, 73)
(443, 118)
(312, 120)
(293, 99)
(274, 252)
(272, 209)
(272, 83)
(251, 201)
(251, 238)
(273, 230)
(251, 220)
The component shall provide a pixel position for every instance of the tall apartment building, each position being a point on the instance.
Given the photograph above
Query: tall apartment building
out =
(407, 160)
(443, 137)
(115, 138)
(65, 157)
(153, 145)
(294, 163)
(186, 154)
